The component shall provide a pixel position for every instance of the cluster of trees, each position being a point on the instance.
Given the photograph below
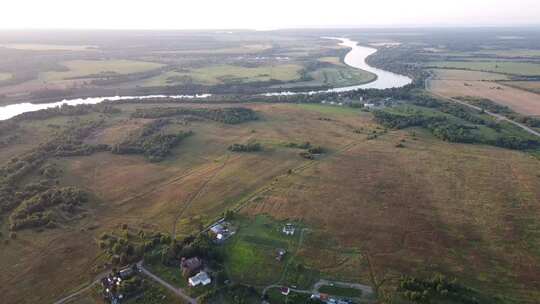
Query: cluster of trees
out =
(304, 145)
(42, 208)
(67, 110)
(225, 115)
(151, 141)
(435, 289)
(251, 146)
(446, 128)
(26, 200)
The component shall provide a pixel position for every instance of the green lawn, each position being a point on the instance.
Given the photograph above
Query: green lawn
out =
(250, 255)
(505, 67)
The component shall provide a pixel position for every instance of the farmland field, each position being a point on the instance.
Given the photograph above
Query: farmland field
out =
(521, 101)
(91, 68)
(504, 67)
(533, 86)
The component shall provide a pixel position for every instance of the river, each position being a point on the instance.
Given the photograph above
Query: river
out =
(355, 58)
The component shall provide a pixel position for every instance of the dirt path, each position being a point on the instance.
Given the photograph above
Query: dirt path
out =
(82, 290)
(177, 291)
(196, 195)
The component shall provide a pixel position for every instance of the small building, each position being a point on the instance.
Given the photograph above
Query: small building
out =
(285, 291)
(369, 105)
(289, 229)
(200, 278)
(221, 231)
(190, 266)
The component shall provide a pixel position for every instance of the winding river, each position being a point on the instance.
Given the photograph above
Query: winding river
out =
(356, 58)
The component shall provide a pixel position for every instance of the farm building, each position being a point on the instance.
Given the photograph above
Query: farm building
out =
(201, 278)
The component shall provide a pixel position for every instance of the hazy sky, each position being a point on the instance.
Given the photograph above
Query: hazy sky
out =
(216, 14)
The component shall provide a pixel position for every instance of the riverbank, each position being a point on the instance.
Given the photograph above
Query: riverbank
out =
(355, 58)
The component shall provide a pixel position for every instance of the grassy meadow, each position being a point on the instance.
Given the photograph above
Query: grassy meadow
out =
(97, 68)
(466, 210)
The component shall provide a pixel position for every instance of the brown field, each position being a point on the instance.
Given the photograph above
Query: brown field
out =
(533, 86)
(469, 211)
(521, 101)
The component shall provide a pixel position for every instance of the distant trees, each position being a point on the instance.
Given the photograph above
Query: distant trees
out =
(224, 115)
(151, 142)
(251, 146)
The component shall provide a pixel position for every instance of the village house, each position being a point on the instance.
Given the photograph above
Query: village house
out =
(289, 229)
(190, 266)
(201, 278)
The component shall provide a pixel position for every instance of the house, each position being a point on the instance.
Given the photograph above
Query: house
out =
(281, 254)
(201, 278)
(190, 266)
(221, 232)
(289, 229)
(369, 105)
(285, 291)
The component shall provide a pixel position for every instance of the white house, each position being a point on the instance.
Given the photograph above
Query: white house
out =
(200, 278)
(289, 229)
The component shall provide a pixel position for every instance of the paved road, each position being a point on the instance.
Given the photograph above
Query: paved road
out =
(177, 291)
(498, 116)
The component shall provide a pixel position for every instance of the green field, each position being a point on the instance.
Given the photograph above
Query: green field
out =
(337, 76)
(223, 74)
(91, 68)
(504, 67)
(253, 250)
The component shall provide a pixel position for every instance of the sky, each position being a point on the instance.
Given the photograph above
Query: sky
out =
(267, 14)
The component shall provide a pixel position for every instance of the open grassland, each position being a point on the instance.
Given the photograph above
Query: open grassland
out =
(47, 47)
(504, 67)
(96, 68)
(466, 210)
(533, 86)
(521, 101)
